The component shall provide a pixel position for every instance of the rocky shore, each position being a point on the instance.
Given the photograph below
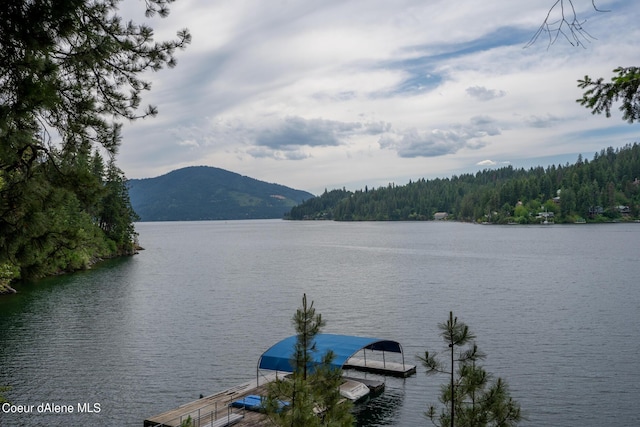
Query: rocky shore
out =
(6, 289)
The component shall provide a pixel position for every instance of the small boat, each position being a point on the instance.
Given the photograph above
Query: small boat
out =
(349, 389)
(353, 390)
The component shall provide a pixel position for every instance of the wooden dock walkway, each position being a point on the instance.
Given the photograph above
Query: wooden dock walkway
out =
(215, 410)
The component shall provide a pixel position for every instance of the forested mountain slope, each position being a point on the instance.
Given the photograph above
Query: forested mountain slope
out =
(604, 189)
(208, 193)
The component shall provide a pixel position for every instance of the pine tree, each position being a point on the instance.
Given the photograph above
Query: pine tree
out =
(624, 86)
(473, 399)
(70, 73)
(116, 216)
(312, 391)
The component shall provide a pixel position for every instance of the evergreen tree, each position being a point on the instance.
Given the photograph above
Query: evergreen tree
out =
(116, 216)
(70, 71)
(610, 180)
(624, 86)
(312, 390)
(473, 400)
(563, 22)
(307, 324)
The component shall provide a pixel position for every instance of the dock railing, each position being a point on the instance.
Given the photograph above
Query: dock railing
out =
(198, 418)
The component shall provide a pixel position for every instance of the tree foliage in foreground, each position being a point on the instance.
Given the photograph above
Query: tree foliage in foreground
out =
(471, 397)
(69, 72)
(312, 391)
(562, 22)
(624, 86)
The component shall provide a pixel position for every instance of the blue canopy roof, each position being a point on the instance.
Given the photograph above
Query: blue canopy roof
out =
(278, 357)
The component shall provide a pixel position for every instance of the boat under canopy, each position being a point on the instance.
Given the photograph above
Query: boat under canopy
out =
(279, 356)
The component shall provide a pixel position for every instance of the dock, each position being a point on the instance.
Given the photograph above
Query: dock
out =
(216, 410)
(394, 369)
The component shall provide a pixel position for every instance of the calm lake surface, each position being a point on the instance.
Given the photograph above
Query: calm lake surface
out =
(556, 309)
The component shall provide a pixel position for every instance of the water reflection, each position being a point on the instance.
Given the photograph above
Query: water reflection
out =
(380, 410)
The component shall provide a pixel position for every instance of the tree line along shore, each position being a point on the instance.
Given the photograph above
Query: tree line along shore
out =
(604, 189)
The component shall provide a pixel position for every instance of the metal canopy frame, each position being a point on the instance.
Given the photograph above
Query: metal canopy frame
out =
(279, 356)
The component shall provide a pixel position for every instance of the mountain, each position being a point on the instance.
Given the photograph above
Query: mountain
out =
(208, 193)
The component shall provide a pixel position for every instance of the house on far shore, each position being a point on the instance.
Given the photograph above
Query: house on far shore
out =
(624, 210)
(439, 216)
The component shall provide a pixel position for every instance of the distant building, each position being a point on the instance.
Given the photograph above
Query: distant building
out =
(624, 210)
(595, 210)
(439, 216)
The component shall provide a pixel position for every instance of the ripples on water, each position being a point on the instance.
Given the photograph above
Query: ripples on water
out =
(555, 308)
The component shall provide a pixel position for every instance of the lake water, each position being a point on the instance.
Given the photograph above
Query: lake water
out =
(556, 309)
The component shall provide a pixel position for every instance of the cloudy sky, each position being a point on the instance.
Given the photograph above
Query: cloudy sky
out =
(336, 93)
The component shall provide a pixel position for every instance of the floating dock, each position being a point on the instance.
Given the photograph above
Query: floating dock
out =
(394, 369)
(348, 351)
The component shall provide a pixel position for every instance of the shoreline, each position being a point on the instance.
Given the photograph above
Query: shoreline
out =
(7, 289)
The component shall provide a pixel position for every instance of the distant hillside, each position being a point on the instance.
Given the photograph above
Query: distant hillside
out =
(208, 193)
(606, 189)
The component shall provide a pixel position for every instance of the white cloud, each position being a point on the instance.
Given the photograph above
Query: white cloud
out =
(440, 142)
(542, 122)
(297, 131)
(484, 94)
(189, 143)
(371, 90)
(492, 163)
(487, 163)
